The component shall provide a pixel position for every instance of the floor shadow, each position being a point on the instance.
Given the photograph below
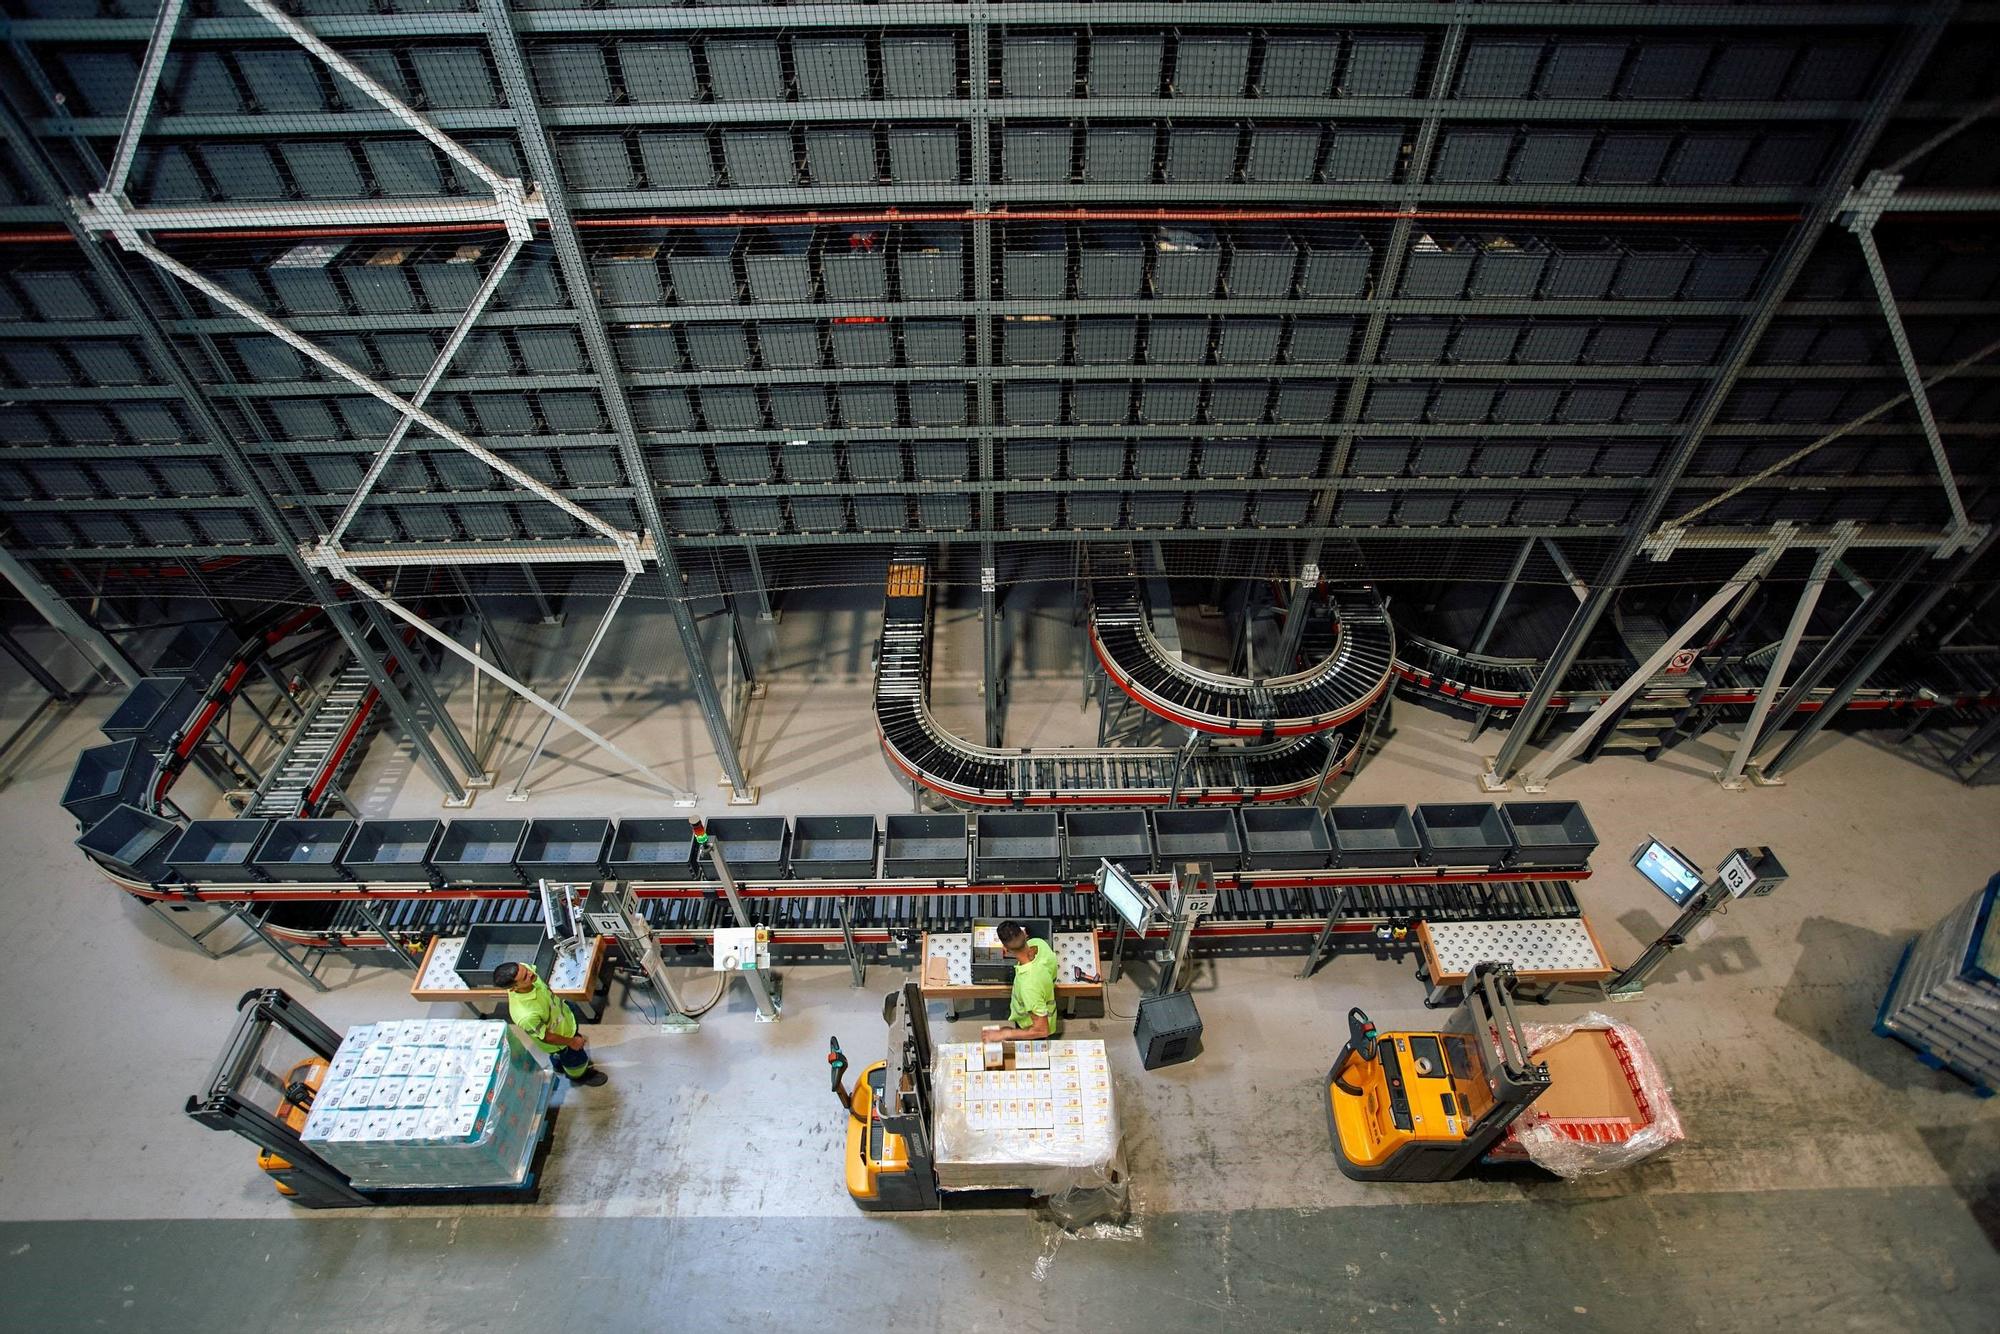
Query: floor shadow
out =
(1718, 956)
(1970, 1157)
(1833, 994)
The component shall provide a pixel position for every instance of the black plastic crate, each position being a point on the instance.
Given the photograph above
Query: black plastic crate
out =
(130, 842)
(1285, 838)
(153, 712)
(393, 851)
(833, 847)
(480, 852)
(756, 847)
(1017, 845)
(1198, 836)
(1463, 834)
(652, 849)
(1548, 833)
(218, 851)
(564, 850)
(921, 847)
(197, 652)
(303, 850)
(1376, 836)
(105, 778)
(1120, 837)
(491, 944)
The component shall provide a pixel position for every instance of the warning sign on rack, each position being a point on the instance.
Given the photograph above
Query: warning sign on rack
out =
(1681, 662)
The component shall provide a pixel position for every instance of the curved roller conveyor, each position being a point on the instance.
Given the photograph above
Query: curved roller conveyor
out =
(978, 775)
(1332, 692)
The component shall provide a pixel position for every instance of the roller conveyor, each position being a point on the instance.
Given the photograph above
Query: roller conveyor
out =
(987, 776)
(1335, 690)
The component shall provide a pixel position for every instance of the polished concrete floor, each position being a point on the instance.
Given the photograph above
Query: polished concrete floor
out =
(1828, 1180)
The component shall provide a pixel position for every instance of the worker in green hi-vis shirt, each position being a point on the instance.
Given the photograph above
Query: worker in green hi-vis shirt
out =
(1031, 1012)
(549, 1021)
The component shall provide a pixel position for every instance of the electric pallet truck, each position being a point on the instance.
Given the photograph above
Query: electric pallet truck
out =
(1427, 1106)
(889, 1158)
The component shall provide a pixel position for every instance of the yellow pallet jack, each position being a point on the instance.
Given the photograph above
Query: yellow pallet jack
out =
(1427, 1106)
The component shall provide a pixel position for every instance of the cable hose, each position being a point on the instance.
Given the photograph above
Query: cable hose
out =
(630, 975)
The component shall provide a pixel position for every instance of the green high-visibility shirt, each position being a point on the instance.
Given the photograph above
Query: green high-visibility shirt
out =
(537, 1010)
(1035, 988)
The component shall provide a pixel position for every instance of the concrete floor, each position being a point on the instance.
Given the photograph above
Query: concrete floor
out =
(1827, 1177)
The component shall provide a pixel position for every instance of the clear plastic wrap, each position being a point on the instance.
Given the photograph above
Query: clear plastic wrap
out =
(1004, 1130)
(1578, 1146)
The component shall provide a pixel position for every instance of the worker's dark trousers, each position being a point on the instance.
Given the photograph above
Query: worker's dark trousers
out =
(571, 1064)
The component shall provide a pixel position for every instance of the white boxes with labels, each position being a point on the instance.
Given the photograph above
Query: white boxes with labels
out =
(430, 1103)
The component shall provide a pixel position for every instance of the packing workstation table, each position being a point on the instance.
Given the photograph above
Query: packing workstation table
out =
(577, 977)
(947, 971)
(1546, 954)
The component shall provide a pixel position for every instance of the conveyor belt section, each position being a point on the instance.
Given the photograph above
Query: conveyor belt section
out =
(220, 693)
(1251, 912)
(976, 775)
(1335, 690)
(320, 748)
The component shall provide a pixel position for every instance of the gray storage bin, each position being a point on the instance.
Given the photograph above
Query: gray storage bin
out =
(1239, 403)
(1305, 402)
(503, 414)
(218, 851)
(1472, 156)
(867, 405)
(1550, 157)
(1723, 272)
(280, 81)
(799, 407)
(652, 849)
(658, 72)
(479, 852)
(450, 77)
(855, 265)
(1097, 460)
(1263, 262)
(1038, 66)
(1482, 510)
(1281, 153)
(1463, 834)
(1219, 509)
(881, 514)
(531, 284)
(450, 276)
(1096, 511)
(758, 158)
(819, 514)
(1592, 404)
(68, 294)
(1657, 403)
(323, 170)
(1456, 403)
(1581, 269)
(1621, 344)
(1335, 265)
(1298, 66)
(1785, 159)
(930, 264)
(166, 175)
(811, 461)
(1114, 154)
(1248, 342)
(1507, 267)
(1411, 341)
(934, 343)
(564, 850)
(1035, 262)
(746, 69)
(571, 74)
(1376, 837)
(1363, 153)
(1168, 402)
(841, 155)
(1211, 65)
(1291, 458)
(834, 847)
(756, 514)
(944, 514)
(677, 160)
(1438, 267)
(107, 777)
(1176, 342)
(488, 523)
(1395, 403)
(920, 155)
(1484, 343)
(99, 528)
(1031, 402)
(246, 172)
(1187, 260)
(1629, 159)
(1035, 154)
(1032, 460)
(828, 67)
(1664, 71)
(934, 403)
(1601, 509)
(863, 345)
(919, 65)
(1833, 71)
(1382, 65)
(1030, 341)
(1100, 403)
(153, 712)
(1748, 71)
(1582, 67)
(648, 348)
(380, 283)
(1107, 341)
(1163, 461)
(1707, 159)
(403, 167)
(1028, 513)
(1156, 509)
(1017, 845)
(1284, 838)
(1652, 270)
(1125, 64)
(1110, 263)
(627, 274)
(778, 263)
(596, 162)
(757, 847)
(1499, 66)
(745, 464)
(732, 408)
(1320, 342)
(1282, 509)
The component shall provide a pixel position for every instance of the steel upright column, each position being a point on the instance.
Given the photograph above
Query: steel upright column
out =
(1501, 598)
(514, 77)
(160, 350)
(1891, 640)
(989, 640)
(1731, 776)
(1888, 94)
(67, 621)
